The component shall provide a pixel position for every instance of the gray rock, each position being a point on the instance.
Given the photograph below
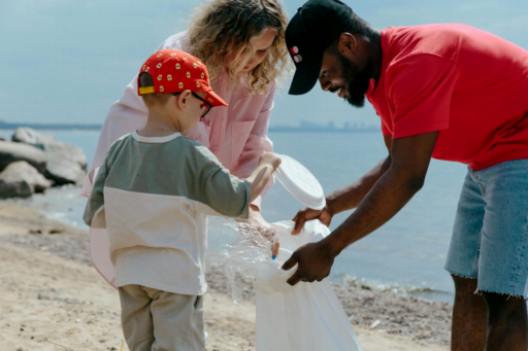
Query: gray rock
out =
(65, 164)
(22, 171)
(11, 152)
(32, 137)
(15, 189)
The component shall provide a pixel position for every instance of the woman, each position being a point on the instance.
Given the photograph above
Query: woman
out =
(242, 43)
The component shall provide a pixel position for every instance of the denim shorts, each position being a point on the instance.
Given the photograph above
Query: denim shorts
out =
(490, 234)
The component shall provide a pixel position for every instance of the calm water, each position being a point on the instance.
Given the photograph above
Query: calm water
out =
(409, 251)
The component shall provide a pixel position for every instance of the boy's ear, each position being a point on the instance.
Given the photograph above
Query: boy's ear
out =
(183, 98)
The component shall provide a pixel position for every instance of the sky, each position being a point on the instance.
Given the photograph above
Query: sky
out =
(66, 61)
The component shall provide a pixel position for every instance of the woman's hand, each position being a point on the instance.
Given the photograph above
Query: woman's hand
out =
(263, 233)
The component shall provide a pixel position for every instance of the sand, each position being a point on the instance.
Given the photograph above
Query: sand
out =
(52, 299)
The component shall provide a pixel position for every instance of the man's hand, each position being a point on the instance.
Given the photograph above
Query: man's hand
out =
(314, 262)
(308, 214)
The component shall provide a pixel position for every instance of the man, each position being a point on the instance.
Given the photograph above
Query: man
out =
(450, 92)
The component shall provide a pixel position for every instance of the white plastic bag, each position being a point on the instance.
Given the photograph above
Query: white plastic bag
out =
(305, 317)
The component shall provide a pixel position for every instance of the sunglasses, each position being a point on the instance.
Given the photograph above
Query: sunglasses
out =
(204, 105)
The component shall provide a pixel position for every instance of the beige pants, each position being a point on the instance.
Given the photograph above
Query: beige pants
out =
(155, 320)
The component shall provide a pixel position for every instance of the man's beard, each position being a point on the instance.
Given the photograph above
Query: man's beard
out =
(358, 81)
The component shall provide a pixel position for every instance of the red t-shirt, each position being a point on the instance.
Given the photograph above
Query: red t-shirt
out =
(469, 85)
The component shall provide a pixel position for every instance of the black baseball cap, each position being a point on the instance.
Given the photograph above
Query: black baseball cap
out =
(315, 26)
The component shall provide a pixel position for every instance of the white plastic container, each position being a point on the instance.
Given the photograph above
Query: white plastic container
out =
(300, 183)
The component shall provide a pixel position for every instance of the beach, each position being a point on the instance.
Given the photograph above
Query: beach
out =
(53, 299)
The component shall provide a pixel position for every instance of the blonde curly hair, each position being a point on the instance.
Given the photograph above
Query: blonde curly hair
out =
(225, 27)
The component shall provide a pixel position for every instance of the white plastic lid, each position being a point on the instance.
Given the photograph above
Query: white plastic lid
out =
(300, 183)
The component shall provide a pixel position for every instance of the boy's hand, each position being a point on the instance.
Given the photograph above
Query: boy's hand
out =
(263, 174)
(271, 159)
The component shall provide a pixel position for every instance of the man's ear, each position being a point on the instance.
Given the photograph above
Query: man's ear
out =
(348, 44)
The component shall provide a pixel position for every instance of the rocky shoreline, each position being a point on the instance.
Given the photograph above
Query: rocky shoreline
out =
(33, 162)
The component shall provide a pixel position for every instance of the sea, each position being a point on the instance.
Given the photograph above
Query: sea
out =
(407, 254)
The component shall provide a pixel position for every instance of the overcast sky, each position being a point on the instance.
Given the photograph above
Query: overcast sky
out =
(68, 60)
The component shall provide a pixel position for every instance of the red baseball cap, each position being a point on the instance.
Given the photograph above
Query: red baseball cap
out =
(173, 71)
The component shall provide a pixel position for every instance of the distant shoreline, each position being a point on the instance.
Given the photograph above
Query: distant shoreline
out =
(58, 126)
(283, 129)
(275, 129)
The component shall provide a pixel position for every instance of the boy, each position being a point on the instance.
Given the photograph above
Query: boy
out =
(156, 188)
